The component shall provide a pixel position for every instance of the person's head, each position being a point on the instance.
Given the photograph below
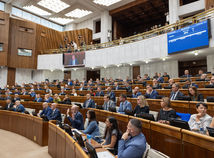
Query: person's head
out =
(91, 115)
(171, 81)
(188, 81)
(111, 123)
(155, 81)
(88, 96)
(73, 91)
(16, 95)
(53, 106)
(134, 127)
(193, 91)
(8, 101)
(108, 89)
(212, 79)
(74, 109)
(141, 100)
(122, 97)
(17, 102)
(45, 105)
(201, 108)
(149, 87)
(159, 74)
(116, 84)
(106, 98)
(186, 72)
(175, 87)
(203, 76)
(165, 73)
(165, 102)
(98, 89)
(200, 72)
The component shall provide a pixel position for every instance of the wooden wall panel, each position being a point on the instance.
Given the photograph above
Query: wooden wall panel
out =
(11, 76)
(47, 38)
(22, 35)
(4, 37)
(209, 4)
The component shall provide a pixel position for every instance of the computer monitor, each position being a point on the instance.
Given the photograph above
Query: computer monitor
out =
(210, 131)
(146, 116)
(180, 123)
(91, 150)
(79, 138)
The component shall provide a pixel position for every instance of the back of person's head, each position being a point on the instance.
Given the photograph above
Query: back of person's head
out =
(92, 115)
(137, 124)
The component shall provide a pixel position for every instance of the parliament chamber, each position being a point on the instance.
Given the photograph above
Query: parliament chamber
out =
(107, 79)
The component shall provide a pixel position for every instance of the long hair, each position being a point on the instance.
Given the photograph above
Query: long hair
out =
(145, 103)
(196, 91)
(166, 100)
(114, 123)
(92, 115)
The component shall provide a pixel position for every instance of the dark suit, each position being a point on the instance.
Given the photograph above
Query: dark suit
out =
(55, 115)
(160, 79)
(38, 99)
(186, 76)
(152, 95)
(175, 96)
(8, 106)
(200, 97)
(112, 96)
(128, 89)
(89, 104)
(78, 122)
(157, 86)
(47, 111)
(101, 93)
(186, 86)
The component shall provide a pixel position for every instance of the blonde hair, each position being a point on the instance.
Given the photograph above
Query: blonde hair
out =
(144, 101)
(166, 100)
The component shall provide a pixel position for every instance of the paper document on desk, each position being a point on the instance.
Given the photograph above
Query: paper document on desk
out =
(105, 154)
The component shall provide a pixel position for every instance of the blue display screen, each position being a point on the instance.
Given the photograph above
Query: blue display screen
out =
(187, 38)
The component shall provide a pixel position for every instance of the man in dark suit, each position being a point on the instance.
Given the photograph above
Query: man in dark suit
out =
(38, 98)
(76, 118)
(18, 107)
(186, 74)
(150, 93)
(9, 104)
(46, 110)
(189, 84)
(160, 79)
(175, 94)
(128, 87)
(136, 92)
(200, 72)
(16, 97)
(111, 94)
(99, 92)
(55, 115)
(116, 86)
(89, 103)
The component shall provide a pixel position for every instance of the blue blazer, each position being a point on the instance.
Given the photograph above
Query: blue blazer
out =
(47, 111)
(133, 147)
(55, 115)
(20, 108)
(50, 100)
(136, 95)
(100, 94)
(78, 123)
(179, 94)
(93, 130)
(70, 83)
(126, 105)
(112, 96)
(153, 95)
(90, 105)
(38, 99)
(160, 80)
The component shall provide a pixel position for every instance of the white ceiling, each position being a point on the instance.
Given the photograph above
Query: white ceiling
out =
(74, 4)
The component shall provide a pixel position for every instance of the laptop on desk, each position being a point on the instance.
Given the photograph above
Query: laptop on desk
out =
(180, 123)
(210, 131)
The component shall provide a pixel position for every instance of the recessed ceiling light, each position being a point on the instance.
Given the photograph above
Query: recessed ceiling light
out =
(37, 10)
(106, 2)
(53, 5)
(62, 21)
(78, 13)
(164, 59)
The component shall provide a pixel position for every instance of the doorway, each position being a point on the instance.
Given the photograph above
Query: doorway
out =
(94, 74)
(136, 71)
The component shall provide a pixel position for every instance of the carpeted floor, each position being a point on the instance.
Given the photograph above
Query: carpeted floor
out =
(13, 145)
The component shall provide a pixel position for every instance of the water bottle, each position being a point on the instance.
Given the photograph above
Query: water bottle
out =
(201, 130)
(89, 138)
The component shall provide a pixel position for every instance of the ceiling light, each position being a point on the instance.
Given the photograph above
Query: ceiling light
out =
(106, 2)
(62, 21)
(53, 5)
(196, 53)
(78, 13)
(92, 68)
(104, 67)
(37, 10)
(146, 61)
(118, 65)
(164, 59)
(52, 70)
(130, 64)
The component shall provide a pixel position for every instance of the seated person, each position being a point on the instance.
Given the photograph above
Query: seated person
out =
(18, 107)
(99, 92)
(48, 90)
(211, 125)
(189, 84)
(108, 103)
(155, 76)
(24, 92)
(133, 142)
(16, 91)
(55, 115)
(38, 88)
(62, 91)
(200, 72)
(199, 122)
(91, 91)
(166, 75)
(212, 81)
(66, 100)
(116, 86)
(204, 78)
(124, 104)
(128, 87)
(111, 135)
(175, 94)
(9, 105)
(186, 74)
(32, 93)
(73, 92)
(146, 77)
(136, 92)
(70, 83)
(92, 128)
(171, 82)
(16, 97)
(142, 105)
(38, 98)
(81, 87)
(156, 85)
(160, 79)
(89, 103)
(48, 98)
(166, 113)
(194, 95)
(111, 94)
(150, 93)
(56, 99)
(46, 110)
(76, 118)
